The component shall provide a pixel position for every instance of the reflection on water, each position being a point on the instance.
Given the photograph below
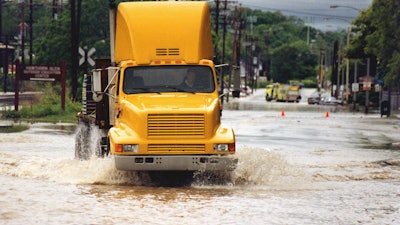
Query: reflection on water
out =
(163, 194)
(278, 106)
(300, 169)
(52, 128)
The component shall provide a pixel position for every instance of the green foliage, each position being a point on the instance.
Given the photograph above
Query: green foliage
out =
(262, 84)
(378, 35)
(310, 82)
(9, 11)
(292, 61)
(11, 114)
(47, 109)
(50, 46)
(13, 129)
(52, 42)
(267, 38)
(280, 45)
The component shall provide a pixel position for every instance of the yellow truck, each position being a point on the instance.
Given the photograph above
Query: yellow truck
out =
(271, 91)
(289, 92)
(156, 100)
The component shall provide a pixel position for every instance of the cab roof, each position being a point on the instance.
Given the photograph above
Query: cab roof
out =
(147, 31)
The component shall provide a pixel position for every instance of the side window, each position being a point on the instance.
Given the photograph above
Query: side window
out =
(117, 83)
(204, 79)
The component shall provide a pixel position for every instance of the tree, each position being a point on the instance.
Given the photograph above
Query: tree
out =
(53, 45)
(378, 35)
(292, 61)
(280, 45)
(50, 47)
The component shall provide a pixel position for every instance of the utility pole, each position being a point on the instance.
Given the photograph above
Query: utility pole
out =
(75, 33)
(223, 50)
(355, 81)
(4, 53)
(235, 70)
(347, 66)
(1, 18)
(30, 31)
(335, 67)
(367, 91)
(23, 30)
(216, 16)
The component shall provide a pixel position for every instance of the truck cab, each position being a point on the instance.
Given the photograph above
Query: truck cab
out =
(161, 91)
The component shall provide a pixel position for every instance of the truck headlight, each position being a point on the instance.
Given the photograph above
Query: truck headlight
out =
(130, 148)
(224, 147)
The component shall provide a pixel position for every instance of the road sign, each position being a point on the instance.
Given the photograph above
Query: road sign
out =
(41, 73)
(355, 87)
(367, 85)
(86, 56)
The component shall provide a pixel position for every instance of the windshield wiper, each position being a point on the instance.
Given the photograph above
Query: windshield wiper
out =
(178, 89)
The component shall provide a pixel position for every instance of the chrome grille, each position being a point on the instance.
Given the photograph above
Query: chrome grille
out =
(175, 125)
(176, 147)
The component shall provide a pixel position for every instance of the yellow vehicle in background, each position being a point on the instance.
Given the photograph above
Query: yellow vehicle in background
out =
(271, 91)
(294, 85)
(289, 92)
(156, 100)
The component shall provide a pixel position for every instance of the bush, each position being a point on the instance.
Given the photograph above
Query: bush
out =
(310, 82)
(13, 129)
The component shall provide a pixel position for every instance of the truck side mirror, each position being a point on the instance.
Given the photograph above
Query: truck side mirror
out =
(96, 86)
(96, 81)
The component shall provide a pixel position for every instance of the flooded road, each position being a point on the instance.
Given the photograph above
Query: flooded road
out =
(300, 168)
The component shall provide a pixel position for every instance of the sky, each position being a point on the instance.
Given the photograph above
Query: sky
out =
(316, 13)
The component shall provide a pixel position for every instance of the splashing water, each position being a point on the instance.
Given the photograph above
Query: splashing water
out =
(256, 166)
(87, 142)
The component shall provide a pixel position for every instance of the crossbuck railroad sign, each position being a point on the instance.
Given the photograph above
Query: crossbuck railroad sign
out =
(87, 57)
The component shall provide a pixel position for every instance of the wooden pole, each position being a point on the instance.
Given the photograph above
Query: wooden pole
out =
(16, 84)
(63, 78)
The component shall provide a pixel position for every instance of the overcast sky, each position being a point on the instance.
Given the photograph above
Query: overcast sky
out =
(317, 13)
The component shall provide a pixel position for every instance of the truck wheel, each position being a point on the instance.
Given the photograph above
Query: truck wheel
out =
(104, 147)
(82, 143)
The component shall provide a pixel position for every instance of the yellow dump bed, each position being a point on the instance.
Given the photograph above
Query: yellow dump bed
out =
(166, 30)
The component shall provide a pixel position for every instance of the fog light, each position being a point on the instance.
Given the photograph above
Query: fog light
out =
(130, 148)
(221, 147)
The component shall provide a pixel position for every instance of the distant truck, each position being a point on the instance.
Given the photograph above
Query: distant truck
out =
(271, 91)
(283, 92)
(289, 92)
(156, 101)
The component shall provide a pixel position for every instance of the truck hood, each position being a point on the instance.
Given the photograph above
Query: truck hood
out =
(167, 101)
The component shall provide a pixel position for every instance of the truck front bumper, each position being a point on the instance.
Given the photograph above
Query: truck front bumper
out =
(175, 163)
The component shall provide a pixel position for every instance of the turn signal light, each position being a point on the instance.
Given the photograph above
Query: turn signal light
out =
(224, 147)
(118, 148)
(126, 148)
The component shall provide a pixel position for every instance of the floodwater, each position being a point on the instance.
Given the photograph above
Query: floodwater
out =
(305, 167)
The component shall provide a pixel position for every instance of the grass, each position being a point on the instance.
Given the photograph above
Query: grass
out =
(47, 109)
(13, 128)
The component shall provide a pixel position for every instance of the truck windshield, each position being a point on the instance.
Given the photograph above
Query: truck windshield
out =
(158, 79)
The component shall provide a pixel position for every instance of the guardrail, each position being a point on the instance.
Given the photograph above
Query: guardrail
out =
(7, 99)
